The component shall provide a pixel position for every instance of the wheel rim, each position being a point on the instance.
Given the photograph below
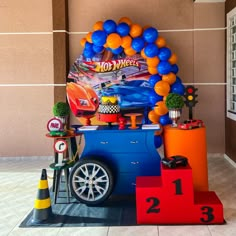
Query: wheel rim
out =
(90, 182)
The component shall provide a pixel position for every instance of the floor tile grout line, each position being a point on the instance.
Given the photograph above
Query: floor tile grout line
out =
(226, 164)
(18, 223)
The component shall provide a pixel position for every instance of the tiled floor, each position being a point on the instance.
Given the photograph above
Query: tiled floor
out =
(18, 187)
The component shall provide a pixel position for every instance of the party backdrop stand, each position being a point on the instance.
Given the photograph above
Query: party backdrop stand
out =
(133, 67)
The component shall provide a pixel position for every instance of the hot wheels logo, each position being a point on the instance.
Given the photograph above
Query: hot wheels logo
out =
(107, 66)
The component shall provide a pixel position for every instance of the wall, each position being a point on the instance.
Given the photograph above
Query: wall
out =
(200, 52)
(27, 58)
(230, 125)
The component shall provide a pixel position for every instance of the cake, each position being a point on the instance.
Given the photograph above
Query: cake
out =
(109, 110)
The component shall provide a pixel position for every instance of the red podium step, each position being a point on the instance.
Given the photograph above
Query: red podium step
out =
(170, 199)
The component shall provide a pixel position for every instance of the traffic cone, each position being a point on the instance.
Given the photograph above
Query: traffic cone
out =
(42, 205)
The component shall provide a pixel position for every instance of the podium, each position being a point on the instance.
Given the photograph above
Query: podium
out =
(171, 199)
(191, 144)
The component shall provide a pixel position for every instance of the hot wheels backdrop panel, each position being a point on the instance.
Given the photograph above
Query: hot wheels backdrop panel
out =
(125, 78)
(126, 61)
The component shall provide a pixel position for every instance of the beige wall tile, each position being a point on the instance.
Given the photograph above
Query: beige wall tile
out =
(162, 14)
(83, 14)
(209, 56)
(209, 15)
(26, 59)
(176, 14)
(24, 124)
(211, 109)
(25, 16)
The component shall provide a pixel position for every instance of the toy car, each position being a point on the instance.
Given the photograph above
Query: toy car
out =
(174, 161)
(190, 124)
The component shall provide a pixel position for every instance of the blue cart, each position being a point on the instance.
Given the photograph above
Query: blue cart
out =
(110, 162)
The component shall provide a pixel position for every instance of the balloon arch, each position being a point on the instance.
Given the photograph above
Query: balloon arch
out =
(127, 39)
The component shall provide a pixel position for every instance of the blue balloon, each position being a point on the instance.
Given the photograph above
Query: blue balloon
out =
(174, 68)
(154, 98)
(109, 26)
(177, 88)
(138, 44)
(117, 50)
(88, 53)
(164, 67)
(165, 119)
(97, 49)
(178, 80)
(164, 54)
(151, 50)
(153, 79)
(157, 141)
(99, 37)
(123, 29)
(150, 35)
(88, 46)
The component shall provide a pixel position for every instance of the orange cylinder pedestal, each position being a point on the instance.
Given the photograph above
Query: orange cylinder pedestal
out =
(191, 144)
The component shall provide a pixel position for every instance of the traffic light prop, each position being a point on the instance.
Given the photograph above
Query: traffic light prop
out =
(190, 98)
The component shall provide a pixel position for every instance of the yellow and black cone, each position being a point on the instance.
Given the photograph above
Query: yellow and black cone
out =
(42, 205)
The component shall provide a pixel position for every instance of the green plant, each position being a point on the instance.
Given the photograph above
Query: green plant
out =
(174, 101)
(61, 109)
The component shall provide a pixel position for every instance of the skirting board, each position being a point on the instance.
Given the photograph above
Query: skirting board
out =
(230, 161)
(209, 155)
(27, 158)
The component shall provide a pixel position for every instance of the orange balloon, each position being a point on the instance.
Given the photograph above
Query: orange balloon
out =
(135, 30)
(129, 51)
(146, 26)
(160, 42)
(152, 61)
(125, 20)
(162, 88)
(126, 41)
(169, 78)
(143, 54)
(89, 37)
(153, 117)
(98, 25)
(113, 40)
(173, 59)
(152, 70)
(160, 108)
(83, 41)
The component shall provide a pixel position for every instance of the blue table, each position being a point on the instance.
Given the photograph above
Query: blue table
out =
(111, 160)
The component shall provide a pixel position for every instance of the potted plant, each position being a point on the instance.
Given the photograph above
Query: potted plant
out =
(174, 103)
(61, 110)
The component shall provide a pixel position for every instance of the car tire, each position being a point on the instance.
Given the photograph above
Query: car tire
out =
(172, 165)
(185, 163)
(91, 181)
